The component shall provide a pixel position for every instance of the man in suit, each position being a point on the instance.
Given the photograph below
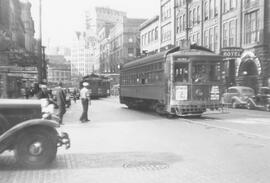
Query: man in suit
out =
(61, 102)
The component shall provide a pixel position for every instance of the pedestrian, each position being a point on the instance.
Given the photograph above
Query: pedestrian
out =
(74, 95)
(43, 92)
(61, 102)
(85, 99)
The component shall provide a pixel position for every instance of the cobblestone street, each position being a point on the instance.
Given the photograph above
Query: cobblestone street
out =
(122, 145)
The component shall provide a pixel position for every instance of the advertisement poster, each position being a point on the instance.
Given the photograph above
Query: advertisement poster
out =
(181, 93)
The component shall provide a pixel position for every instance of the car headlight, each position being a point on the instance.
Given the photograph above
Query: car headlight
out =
(46, 116)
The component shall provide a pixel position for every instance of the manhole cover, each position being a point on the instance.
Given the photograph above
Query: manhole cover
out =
(146, 165)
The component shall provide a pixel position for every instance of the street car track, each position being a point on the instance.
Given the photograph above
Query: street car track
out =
(231, 130)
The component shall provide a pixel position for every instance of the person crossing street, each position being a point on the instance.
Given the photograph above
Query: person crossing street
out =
(86, 100)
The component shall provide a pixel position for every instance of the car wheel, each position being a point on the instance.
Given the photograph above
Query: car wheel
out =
(234, 105)
(4, 124)
(36, 147)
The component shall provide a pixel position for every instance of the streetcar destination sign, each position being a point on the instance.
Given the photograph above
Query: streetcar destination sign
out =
(232, 52)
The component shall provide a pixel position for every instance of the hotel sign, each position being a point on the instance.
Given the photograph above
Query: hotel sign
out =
(232, 52)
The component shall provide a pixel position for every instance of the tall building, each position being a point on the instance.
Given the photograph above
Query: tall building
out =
(98, 17)
(83, 60)
(239, 29)
(125, 43)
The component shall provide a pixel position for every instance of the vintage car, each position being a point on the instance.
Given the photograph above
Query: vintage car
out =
(261, 100)
(236, 96)
(29, 128)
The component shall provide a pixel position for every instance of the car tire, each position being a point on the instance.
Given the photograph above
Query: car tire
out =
(4, 124)
(36, 147)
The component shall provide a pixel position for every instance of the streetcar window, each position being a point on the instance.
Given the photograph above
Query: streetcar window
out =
(200, 73)
(205, 72)
(181, 72)
(214, 72)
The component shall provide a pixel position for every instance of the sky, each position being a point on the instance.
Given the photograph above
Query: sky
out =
(61, 18)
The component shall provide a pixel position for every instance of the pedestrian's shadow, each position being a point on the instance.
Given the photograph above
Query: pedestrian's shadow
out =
(137, 160)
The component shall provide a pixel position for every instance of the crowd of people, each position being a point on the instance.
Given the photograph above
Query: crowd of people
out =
(58, 97)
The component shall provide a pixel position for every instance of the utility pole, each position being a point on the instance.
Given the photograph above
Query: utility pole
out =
(40, 65)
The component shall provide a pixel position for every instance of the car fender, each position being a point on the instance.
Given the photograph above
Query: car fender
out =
(251, 101)
(237, 99)
(26, 124)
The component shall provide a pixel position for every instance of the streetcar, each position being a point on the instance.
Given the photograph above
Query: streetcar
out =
(176, 82)
(99, 86)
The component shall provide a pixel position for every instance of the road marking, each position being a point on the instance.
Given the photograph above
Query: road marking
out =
(235, 131)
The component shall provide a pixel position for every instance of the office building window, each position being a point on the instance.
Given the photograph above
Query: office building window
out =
(177, 25)
(232, 33)
(216, 6)
(194, 16)
(156, 33)
(181, 24)
(212, 7)
(166, 11)
(206, 10)
(190, 23)
(184, 22)
(251, 27)
(198, 39)
(198, 14)
(226, 6)
(166, 33)
(225, 34)
(211, 39)
(216, 39)
(206, 39)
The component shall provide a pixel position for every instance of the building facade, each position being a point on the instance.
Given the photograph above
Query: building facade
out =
(124, 43)
(223, 25)
(59, 70)
(149, 33)
(104, 47)
(83, 59)
(18, 59)
(98, 17)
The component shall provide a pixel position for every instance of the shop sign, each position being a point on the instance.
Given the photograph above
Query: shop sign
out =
(232, 52)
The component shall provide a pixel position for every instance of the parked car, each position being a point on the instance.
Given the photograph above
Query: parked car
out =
(29, 128)
(237, 96)
(261, 100)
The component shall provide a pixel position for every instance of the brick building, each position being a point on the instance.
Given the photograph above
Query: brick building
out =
(58, 70)
(219, 24)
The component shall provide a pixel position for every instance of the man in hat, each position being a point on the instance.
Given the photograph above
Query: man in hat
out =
(43, 91)
(61, 102)
(85, 99)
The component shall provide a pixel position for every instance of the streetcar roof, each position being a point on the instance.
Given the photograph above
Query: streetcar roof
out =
(180, 53)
